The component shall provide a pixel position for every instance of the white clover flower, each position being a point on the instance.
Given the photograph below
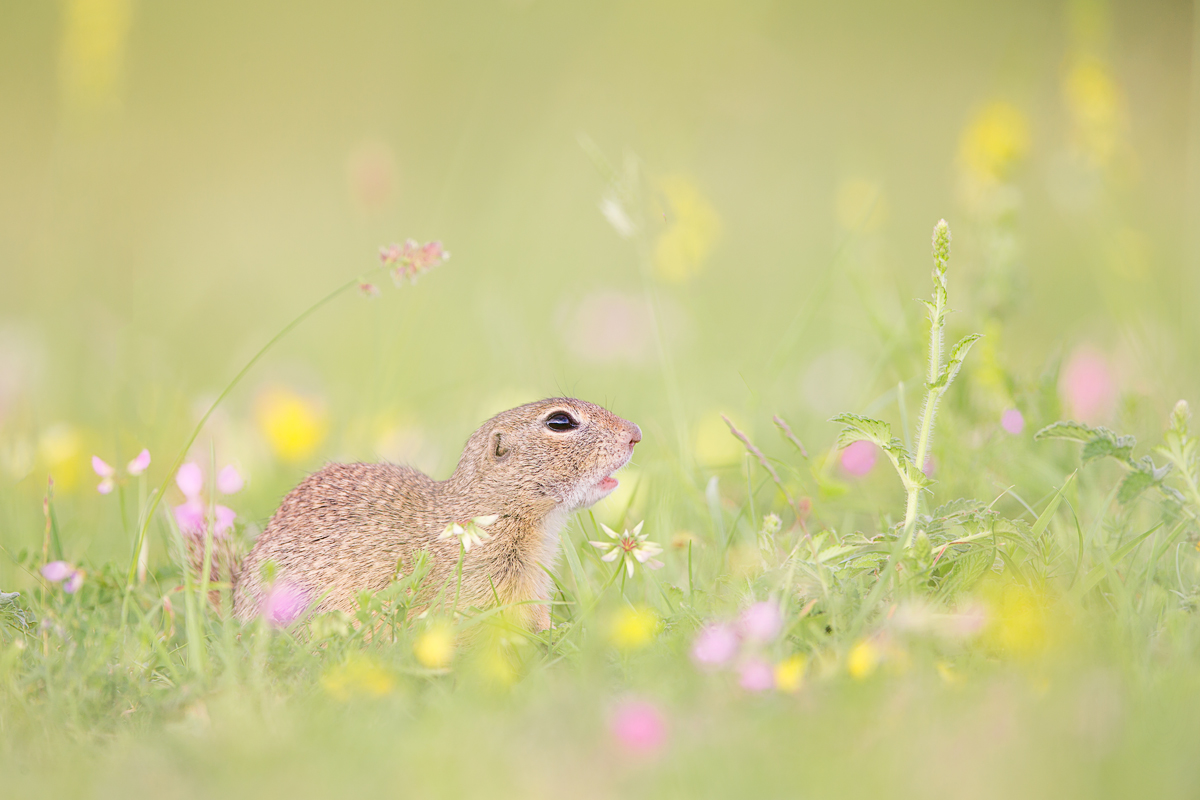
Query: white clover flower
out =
(632, 545)
(469, 533)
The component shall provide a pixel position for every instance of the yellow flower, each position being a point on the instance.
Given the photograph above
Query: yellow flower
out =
(946, 671)
(93, 45)
(1095, 103)
(995, 140)
(435, 647)
(357, 676)
(632, 628)
(60, 447)
(789, 673)
(1018, 620)
(693, 228)
(863, 659)
(293, 424)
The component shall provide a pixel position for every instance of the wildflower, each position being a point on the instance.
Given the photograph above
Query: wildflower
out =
(58, 447)
(471, 532)
(633, 627)
(691, 234)
(614, 212)
(435, 647)
(359, 675)
(192, 514)
(1013, 421)
(369, 290)
(863, 659)
(293, 424)
(761, 622)
(65, 573)
(995, 140)
(412, 259)
(756, 675)
(859, 458)
(789, 673)
(1089, 387)
(283, 604)
(108, 473)
(633, 546)
(716, 644)
(638, 727)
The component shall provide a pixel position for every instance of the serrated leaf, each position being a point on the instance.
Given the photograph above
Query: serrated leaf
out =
(1133, 485)
(957, 354)
(1108, 444)
(1069, 430)
(862, 429)
(962, 505)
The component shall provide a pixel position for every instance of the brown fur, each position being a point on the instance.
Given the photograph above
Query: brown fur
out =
(344, 528)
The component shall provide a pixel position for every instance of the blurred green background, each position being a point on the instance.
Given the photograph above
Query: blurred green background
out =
(178, 182)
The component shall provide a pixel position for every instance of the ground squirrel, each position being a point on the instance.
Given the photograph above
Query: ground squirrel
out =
(344, 528)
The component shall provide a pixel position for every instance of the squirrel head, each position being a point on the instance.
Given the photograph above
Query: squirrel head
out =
(555, 453)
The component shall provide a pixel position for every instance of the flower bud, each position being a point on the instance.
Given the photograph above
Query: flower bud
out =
(1180, 415)
(941, 244)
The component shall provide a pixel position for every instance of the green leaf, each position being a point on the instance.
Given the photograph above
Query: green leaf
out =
(1071, 431)
(1132, 486)
(862, 429)
(957, 354)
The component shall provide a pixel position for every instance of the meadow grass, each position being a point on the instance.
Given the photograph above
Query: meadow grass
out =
(1035, 638)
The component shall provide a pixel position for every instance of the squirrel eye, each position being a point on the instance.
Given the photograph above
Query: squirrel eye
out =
(560, 421)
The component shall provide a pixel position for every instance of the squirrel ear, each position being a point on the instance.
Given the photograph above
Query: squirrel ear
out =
(499, 448)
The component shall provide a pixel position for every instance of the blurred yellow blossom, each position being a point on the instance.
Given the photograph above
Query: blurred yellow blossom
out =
(693, 228)
(864, 657)
(715, 445)
(1017, 618)
(93, 47)
(60, 449)
(1096, 108)
(633, 627)
(435, 647)
(860, 204)
(994, 141)
(293, 424)
(359, 675)
(789, 673)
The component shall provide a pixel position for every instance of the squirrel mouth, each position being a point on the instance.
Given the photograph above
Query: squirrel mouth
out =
(607, 484)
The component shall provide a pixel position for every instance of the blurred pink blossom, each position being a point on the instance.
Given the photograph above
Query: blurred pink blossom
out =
(761, 622)
(930, 466)
(756, 676)
(412, 258)
(283, 604)
(639, 727)
(1013, 421)
(57, 571)
(229, 480)
(192, 514)
(1089, 386)
(369, 290)
(106, 473)
(140, 463)
(715, 645)
(859, 458)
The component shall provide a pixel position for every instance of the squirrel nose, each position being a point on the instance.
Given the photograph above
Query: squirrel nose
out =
(635, 435)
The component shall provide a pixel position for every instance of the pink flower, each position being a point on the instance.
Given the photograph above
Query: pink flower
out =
(1013, 421)
(140, 463)
(369, 290)
(1088, 385)
(859, 458)
(715, 645)
(283, 604)
(757, 676)
(57, 571)
(639, 727)
(106, 473)
(761, 622)
(229, 480)
(192, 515)
(412, 259)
